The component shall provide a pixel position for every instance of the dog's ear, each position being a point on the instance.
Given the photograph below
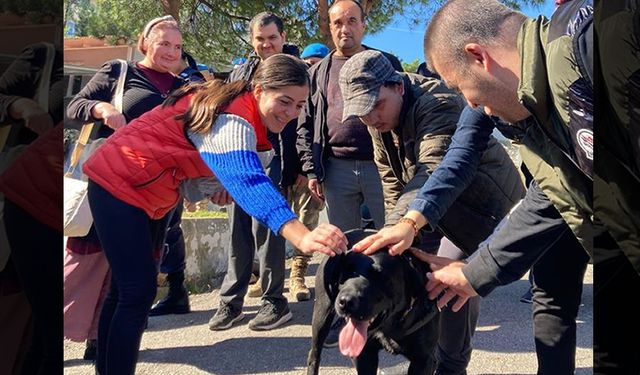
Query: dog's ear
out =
(331, 272)
(416, 274)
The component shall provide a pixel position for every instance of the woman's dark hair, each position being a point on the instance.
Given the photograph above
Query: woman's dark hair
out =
(211, 97)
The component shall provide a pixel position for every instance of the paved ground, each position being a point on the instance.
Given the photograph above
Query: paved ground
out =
(183, 344)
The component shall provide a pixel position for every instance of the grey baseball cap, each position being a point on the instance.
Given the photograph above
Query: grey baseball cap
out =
(360, 80)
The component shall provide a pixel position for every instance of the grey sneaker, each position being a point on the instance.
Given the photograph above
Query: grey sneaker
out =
(334, 333)
(271, 315)
(224, 318)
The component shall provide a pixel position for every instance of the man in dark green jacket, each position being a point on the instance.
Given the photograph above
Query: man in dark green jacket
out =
(411, 119)
(616, 186)
(533, 74)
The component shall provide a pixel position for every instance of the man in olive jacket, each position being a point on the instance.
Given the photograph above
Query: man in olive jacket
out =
(411, 119)
(616, 186)
(535, 75)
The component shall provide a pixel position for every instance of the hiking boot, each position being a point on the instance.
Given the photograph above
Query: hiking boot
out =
(91, 350)
(176, 301)
(297, 288)
(255, 289)
(225, 317)
(334, 333)
(271, 315)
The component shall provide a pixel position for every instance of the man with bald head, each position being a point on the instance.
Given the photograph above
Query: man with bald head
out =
(337, 156)
(535, 75)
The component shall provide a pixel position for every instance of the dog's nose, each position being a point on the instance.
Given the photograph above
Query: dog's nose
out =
(345, 302)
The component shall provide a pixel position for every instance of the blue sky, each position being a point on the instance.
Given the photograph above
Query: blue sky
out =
(405, 41)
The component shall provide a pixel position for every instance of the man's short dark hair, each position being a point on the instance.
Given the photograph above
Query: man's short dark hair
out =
(353, 1)
(264, 19)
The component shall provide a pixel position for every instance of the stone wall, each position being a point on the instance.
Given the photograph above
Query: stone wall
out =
(206, 243)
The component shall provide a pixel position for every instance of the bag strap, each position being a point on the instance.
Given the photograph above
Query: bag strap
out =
(42, 95)
(81, 143)
(8, 132)
(4, 135)
(117, 100)
(88, 130)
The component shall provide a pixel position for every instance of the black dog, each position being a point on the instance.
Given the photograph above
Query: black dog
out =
(385, 304)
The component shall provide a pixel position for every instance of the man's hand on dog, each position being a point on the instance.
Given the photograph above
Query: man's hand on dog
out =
(397, 237)
(446, 281)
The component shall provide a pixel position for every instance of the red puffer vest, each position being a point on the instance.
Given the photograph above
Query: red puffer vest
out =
(33, 180)
(144, 163)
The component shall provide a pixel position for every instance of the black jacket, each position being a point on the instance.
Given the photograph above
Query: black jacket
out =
(313, 133)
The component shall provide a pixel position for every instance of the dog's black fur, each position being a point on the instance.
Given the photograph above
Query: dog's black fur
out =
(386, 290)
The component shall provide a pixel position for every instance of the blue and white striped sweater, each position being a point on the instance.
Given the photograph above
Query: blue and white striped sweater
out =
(229, 150)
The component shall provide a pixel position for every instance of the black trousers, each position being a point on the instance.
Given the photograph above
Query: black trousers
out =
(35, 253)
(129, 239)
(616, 329)
(557, 291)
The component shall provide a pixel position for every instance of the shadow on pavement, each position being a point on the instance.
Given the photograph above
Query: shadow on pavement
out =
(505, 319)
(245, 356)
(168, 322)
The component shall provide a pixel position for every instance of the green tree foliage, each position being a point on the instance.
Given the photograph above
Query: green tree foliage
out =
(35, 11)
(411, 67)
(215, 31)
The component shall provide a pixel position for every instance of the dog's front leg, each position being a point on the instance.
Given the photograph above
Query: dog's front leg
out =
(367, 361)
(323, 312)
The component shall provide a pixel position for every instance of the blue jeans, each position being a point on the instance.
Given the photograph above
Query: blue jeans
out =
(129, 238)
(349, 183)
(456, 328)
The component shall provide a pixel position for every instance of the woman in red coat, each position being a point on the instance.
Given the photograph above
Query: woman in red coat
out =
(210, 134)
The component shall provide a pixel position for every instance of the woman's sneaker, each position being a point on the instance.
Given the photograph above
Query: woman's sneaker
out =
(225, 317)
(271, 315)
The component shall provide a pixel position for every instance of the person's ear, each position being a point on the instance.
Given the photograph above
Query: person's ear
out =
(477, 55)
(400, 88)
(284, 36)
(257, 92)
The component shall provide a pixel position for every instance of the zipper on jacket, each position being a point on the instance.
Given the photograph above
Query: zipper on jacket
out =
(146, 183)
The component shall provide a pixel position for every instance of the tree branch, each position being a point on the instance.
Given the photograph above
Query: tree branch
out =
(217, 9)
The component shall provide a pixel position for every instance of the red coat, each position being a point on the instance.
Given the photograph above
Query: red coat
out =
(33, 179)
(144, 163)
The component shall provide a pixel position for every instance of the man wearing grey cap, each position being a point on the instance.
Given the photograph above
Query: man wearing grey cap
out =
(411, 120)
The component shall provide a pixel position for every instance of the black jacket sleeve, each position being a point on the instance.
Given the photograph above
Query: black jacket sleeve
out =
(20, 79)
(518, 242)
(306, 120)
(100, 88)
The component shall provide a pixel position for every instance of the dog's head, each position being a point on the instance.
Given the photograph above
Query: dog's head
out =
(370, 291)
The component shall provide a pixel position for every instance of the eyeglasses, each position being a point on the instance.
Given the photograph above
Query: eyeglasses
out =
(155, 21)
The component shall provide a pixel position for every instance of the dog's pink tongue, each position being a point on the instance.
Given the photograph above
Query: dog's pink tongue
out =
(353, 337)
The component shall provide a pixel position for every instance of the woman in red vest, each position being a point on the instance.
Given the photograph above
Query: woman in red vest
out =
(206, 135)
